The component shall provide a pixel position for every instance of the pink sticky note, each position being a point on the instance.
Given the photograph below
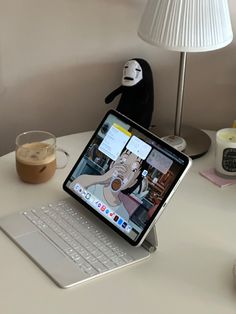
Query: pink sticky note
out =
(211, 175)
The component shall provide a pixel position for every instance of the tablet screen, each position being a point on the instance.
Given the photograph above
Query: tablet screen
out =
(125, 175)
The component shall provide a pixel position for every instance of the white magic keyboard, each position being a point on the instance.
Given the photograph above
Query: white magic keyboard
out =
(78, 238)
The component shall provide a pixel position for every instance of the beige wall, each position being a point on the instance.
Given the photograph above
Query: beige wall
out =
(60, 58)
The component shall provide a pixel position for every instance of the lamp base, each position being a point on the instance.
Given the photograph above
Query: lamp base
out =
(198, 142)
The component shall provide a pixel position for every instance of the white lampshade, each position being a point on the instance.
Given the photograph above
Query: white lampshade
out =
(186, 25)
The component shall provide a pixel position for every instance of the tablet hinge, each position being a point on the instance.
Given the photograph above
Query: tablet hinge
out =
(150, 243)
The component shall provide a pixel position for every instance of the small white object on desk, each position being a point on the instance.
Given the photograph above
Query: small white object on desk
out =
(177, 142)
(225, 158)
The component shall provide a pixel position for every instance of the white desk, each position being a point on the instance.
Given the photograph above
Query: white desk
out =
(189, 273)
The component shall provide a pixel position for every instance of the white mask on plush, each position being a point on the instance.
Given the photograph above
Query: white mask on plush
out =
(132, 73)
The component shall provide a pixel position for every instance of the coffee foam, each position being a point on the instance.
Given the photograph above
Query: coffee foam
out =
(36, 153)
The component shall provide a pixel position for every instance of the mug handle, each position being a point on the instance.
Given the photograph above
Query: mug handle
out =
(61, 150)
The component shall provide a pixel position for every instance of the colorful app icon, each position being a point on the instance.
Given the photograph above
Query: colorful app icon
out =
(144, 173)
(98, 204)
(116, 218)
(87, 196)
(111, 214)
(120, 221)
(77, 187)
(103, 208)
(124, 225)
(107, 211)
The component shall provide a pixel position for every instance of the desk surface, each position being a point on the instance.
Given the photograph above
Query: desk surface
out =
(189, 273)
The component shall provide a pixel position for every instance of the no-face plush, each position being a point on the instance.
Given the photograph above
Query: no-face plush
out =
(136, 101)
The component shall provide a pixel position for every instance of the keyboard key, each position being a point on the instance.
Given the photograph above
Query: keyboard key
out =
(99, 266)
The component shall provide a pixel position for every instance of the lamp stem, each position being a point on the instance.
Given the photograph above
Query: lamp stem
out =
(180, 93)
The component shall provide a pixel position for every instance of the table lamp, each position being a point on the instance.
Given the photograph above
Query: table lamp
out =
(186, 26)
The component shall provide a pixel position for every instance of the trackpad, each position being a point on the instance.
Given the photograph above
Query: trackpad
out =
(59, 267)
(40, 248)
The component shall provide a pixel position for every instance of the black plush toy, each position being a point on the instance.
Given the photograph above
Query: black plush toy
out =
(136, 101)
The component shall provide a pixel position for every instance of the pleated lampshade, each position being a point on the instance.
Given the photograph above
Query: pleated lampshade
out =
(186, 25)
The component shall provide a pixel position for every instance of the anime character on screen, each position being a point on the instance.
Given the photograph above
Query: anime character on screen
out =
(124, 175)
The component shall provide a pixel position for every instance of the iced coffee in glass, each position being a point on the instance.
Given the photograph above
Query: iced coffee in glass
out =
(36, 156)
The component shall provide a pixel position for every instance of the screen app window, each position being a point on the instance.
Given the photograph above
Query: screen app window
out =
(114, 141)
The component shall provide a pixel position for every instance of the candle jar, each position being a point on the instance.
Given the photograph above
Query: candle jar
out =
(225, 155)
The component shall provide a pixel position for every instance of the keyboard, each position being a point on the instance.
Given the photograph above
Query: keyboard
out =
(78, 238)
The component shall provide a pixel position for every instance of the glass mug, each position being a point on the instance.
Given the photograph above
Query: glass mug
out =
(36, 156)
